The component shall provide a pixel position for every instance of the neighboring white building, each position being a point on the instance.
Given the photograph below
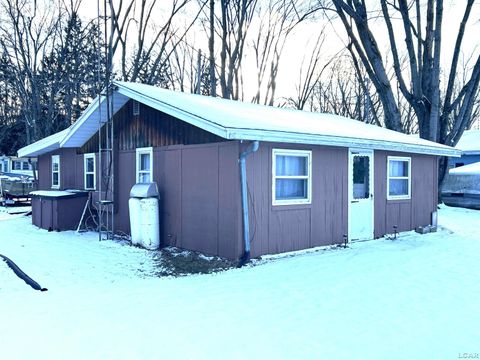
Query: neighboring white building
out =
(469, 144)
(4, 163)
(16, 165)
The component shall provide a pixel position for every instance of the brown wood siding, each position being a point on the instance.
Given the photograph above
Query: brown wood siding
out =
(151, 128)
(68, 170)
(123, 185)
(229, 203)
(169, 178)
(199, 196)
(55, 213)
(37, 211)
(44, 175)
(405, 214)
(200, 204)
(277, 229)
(47, 214)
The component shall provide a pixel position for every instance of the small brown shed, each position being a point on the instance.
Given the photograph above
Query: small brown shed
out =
(311, 179)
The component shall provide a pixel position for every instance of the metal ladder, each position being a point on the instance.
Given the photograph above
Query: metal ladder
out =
(106, 157)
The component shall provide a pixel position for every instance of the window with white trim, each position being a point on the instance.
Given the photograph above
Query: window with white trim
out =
(291, 176)
(25, 165)
(16, 165)
(144, 165)
(89, 171)
(55, 171)
(399, 178)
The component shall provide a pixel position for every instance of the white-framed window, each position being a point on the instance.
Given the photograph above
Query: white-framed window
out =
(144, 165)
(55, 171)
(89, 171)
(16, 165)
(399, 178)
(291, 177)
(25, 165)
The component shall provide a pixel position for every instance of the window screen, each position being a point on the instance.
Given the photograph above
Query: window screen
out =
(361, 177)
(398, 178)
(55, 171)
(89, 170)
(144, 165)
(291, 176)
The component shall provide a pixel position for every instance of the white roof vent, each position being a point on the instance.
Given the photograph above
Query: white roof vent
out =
(136, 108)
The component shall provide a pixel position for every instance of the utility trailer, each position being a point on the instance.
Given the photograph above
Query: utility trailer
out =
(461, 187)
(15, 190)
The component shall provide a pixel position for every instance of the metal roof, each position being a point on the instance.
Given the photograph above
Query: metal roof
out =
(244, 121)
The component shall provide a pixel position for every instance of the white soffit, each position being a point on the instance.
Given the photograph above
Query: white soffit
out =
(44, 145)
(87, 125)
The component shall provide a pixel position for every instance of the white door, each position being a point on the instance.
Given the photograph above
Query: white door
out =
(360, 194)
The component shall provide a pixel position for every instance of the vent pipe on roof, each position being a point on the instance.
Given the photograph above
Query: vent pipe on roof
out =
(243, 181)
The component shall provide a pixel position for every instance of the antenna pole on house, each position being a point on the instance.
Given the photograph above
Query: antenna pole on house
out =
(105, 137)
(199, 72)
(367, 103)
(99, 93)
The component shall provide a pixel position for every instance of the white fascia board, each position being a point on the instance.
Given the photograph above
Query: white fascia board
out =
(87, 125)
(43, 146)
(178, 113)
(314, 139)
(30, 151)
(79, 123)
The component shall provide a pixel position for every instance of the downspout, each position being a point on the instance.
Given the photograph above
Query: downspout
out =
(243, 181)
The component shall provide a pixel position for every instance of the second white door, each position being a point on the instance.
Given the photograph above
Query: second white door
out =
(360, 194)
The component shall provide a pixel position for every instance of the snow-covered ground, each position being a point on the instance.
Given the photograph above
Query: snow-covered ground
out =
(417, 297)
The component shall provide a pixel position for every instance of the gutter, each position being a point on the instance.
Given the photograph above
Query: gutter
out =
(253, 147)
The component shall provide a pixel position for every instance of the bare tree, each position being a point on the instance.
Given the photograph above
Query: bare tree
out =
(437, 119)
(28, 31)
(341, 90)
(232, 27)
(309, 76)
(277, 20)
(154, 42)
(48, 66)
(211, 48)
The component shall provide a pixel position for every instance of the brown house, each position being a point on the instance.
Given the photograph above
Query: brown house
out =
(311, 179)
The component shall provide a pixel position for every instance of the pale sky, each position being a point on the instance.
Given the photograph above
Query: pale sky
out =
(304, 36)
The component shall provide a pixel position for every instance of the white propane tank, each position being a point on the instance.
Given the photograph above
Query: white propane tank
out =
(135, 220)
(150, 223)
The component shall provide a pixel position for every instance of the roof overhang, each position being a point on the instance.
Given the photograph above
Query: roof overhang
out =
(43, 146)
(302, 138)
(283, 136)
(96, 114)
(92, 118)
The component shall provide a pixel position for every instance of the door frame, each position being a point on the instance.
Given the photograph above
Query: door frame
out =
(371, 153)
